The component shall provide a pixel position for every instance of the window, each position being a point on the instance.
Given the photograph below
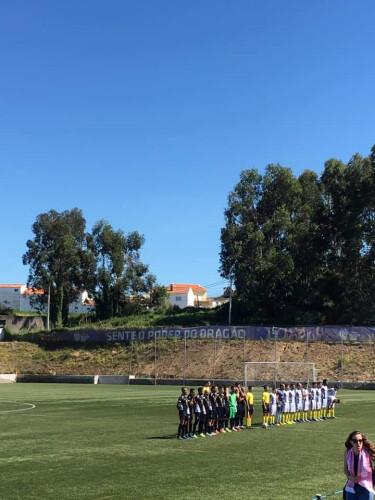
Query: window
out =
(16, 289)
(178, 299)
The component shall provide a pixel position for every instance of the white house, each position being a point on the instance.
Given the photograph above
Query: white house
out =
(213, 302)
(186, 295)
(18, 296)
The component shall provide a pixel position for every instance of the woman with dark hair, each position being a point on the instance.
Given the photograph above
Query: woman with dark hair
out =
(359, 455)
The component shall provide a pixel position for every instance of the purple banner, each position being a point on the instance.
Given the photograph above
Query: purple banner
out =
(302, 334)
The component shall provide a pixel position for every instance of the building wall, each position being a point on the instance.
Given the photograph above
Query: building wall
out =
(15, 298)
(178, 299)
(182, 300)
(190, 298)
(26, 304)
(78, 308)
(199, 297)
(11, 297)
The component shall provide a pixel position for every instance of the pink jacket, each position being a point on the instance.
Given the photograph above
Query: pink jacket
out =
(364, 470)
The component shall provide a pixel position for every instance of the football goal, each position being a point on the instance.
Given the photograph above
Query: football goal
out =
(268, 372)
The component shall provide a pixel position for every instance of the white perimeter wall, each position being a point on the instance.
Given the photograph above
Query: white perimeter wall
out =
(7, 378)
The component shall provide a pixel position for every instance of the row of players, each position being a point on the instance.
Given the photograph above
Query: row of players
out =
(297, 403)
(219, 410)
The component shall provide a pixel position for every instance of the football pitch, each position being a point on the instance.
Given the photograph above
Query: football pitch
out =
(102, 442)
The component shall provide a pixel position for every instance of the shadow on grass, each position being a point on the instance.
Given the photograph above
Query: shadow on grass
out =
(169, 436)
(173, 436)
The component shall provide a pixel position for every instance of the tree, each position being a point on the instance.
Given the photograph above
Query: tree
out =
(63, 258)
(159, 297)
(303, 250)
(307, 247)
(348, 194)
(55, 257)
(120, 276)
(256, 239)
(158, 294)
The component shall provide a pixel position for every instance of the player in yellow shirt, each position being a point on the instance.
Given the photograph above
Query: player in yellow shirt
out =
(266, 405)
(250, 406)
(207, 387)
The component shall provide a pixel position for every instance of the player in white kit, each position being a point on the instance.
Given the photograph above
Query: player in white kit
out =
(332, 399)
(292, 403)
(299, 403)
(305, 402)
(313, 402)
(273, 407)
(287, 404)
(319, 401)
(282, 398)
(324, 399)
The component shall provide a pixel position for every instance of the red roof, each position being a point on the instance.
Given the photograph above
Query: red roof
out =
(184, 288)
(33, 291)
(89, 302)
(27, 291)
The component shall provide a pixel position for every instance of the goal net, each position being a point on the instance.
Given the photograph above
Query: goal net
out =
(273, 372)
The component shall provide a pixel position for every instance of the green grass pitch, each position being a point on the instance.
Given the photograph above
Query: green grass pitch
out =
(102, 442)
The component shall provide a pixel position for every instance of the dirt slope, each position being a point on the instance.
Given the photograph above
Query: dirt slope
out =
(358, 361)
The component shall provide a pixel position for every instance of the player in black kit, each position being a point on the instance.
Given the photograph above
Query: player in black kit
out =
(213, 401)
(191, 398)
(220, 409)
(200, 409)
(184, 412)
(208, 408)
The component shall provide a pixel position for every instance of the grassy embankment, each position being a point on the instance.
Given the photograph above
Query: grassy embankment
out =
(170, 318)
(25, 353)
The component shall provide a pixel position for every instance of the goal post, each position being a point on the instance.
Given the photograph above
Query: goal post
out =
(267, 372)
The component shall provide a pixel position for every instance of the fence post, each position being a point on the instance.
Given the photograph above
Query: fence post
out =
(214, 370)
(307, 344)
(244, 346)
(342, 360)
(131, 357)
(184, 357)
(275, 372)
(244, 352)
(155, 361)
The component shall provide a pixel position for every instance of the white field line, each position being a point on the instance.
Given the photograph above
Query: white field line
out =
(30, 405)
(105, 498)
(38, 471)
(35, 415)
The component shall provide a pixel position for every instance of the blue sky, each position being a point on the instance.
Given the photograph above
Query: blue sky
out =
(144, 113)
